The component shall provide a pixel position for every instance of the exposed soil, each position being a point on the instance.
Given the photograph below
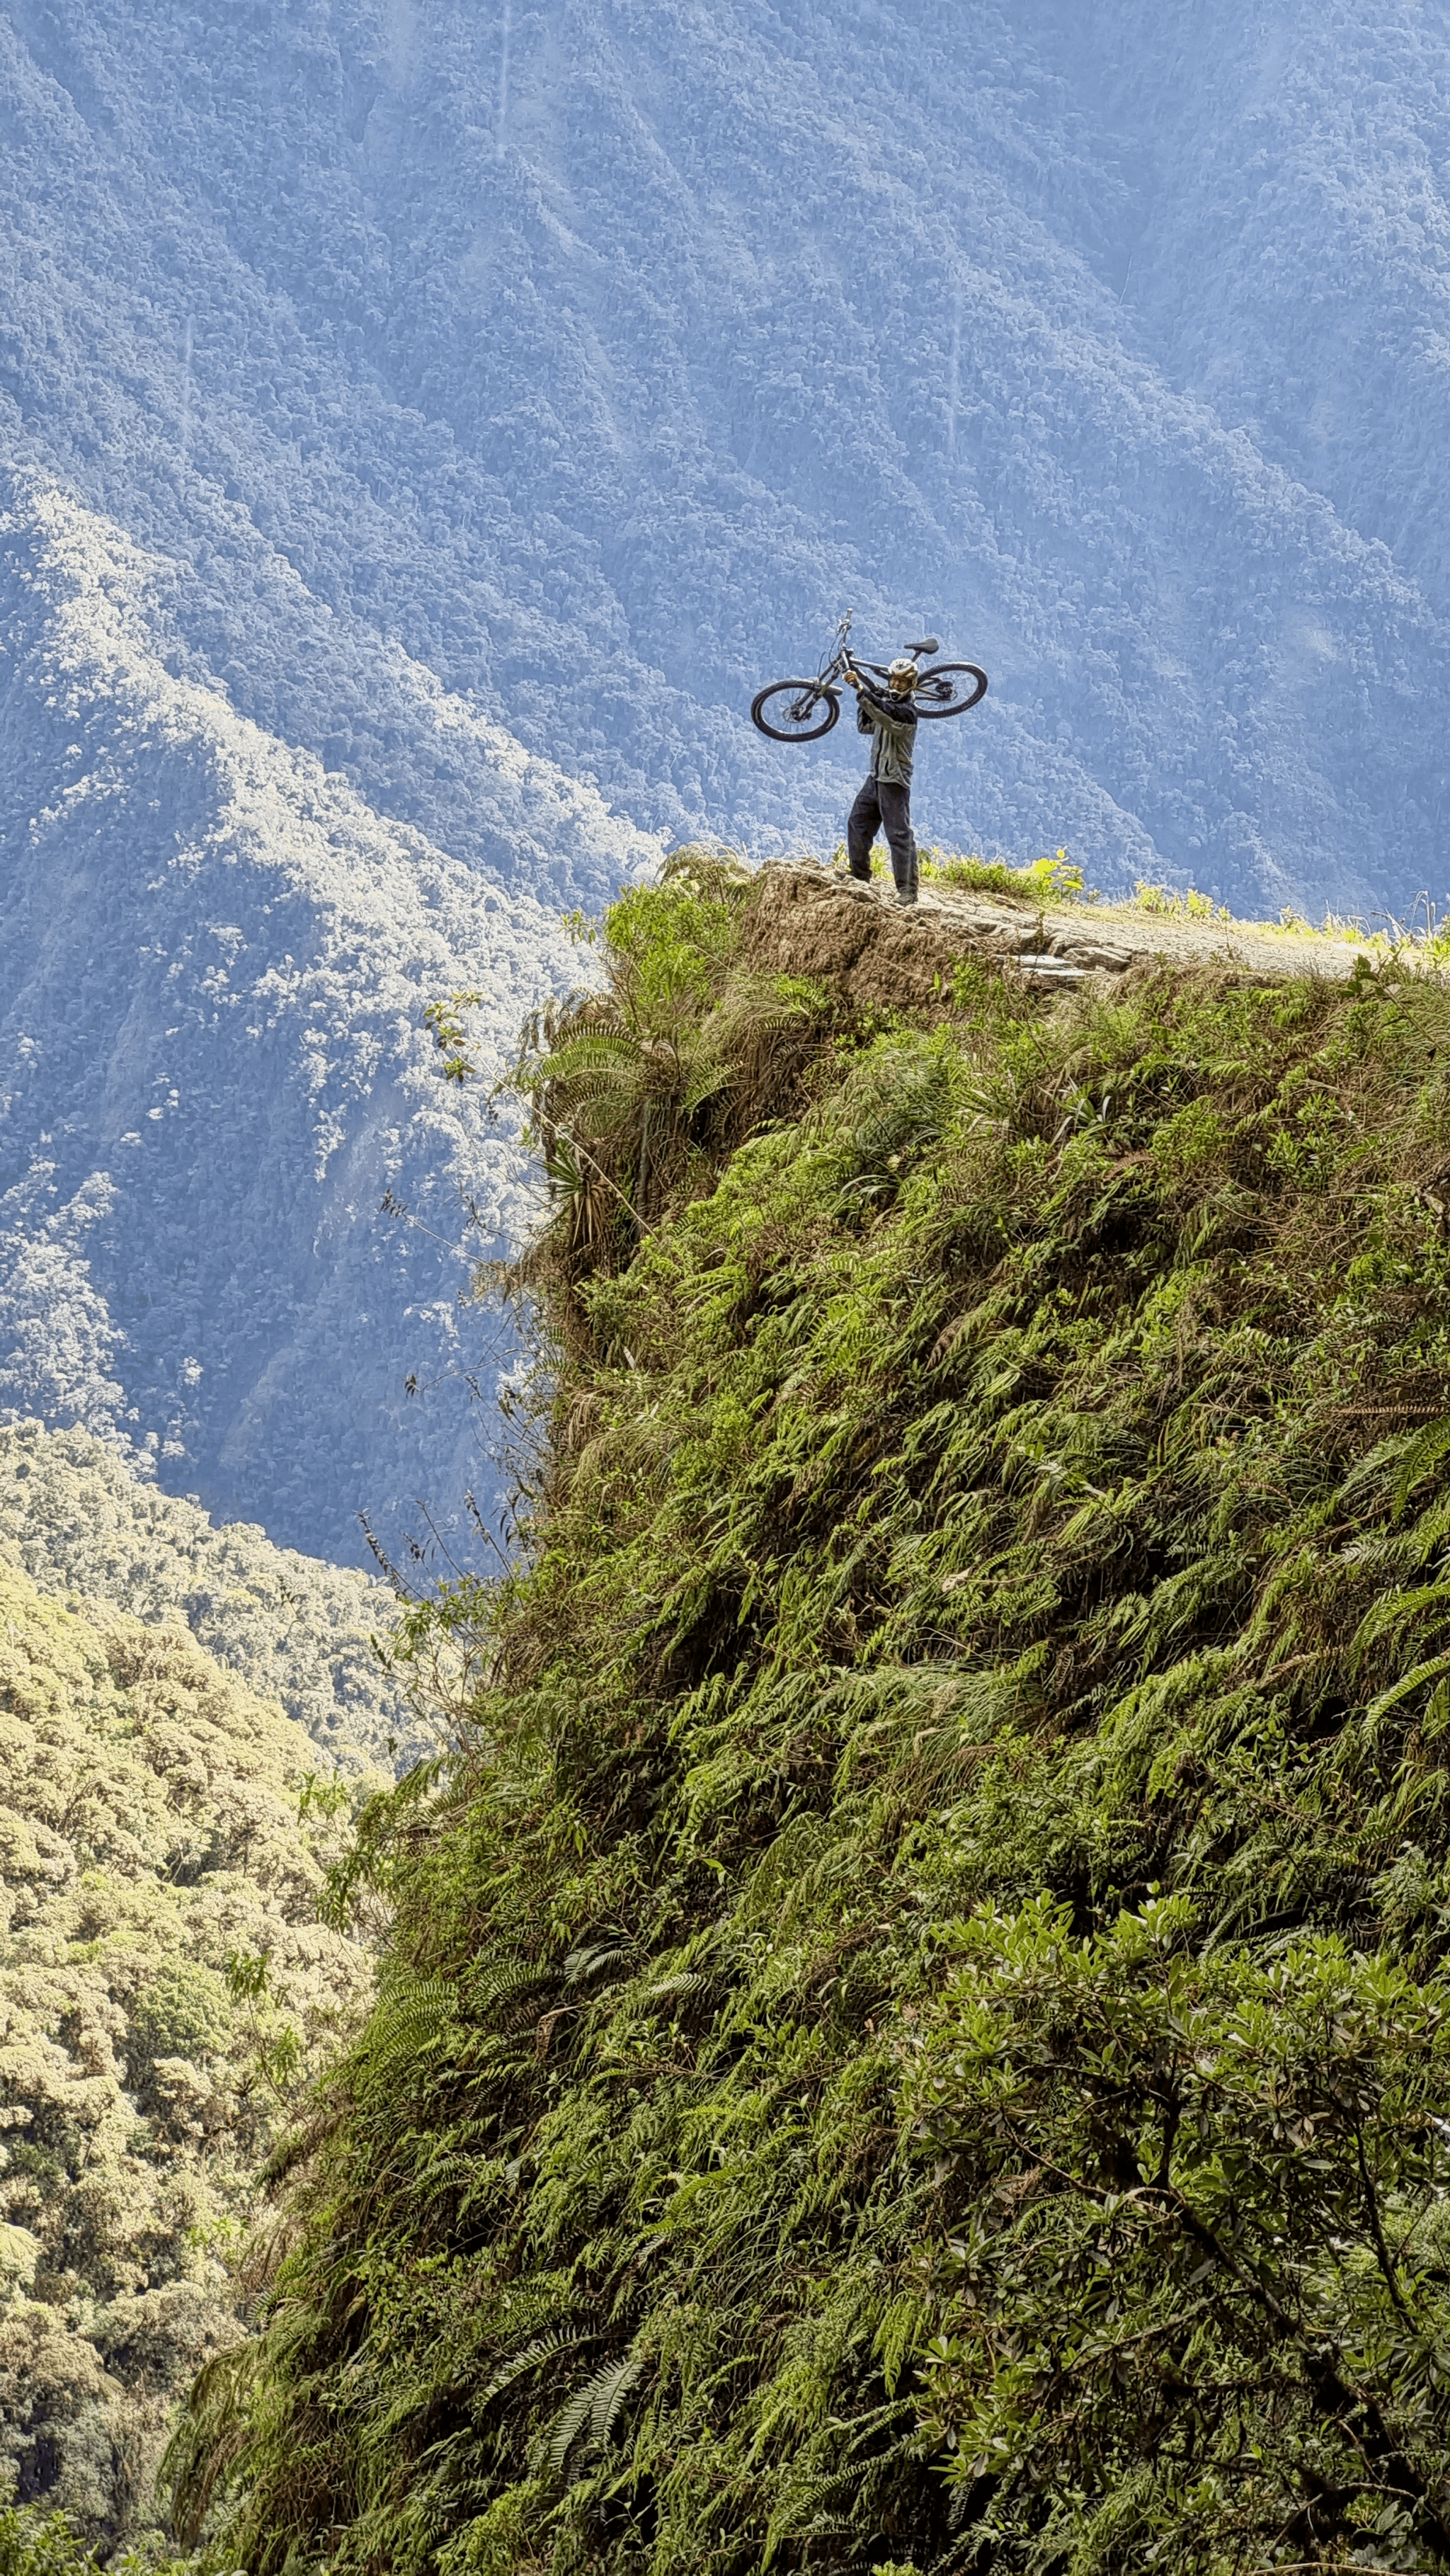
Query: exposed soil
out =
(807, 920)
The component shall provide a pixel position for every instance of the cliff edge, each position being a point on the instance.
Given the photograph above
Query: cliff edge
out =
(916, 2034)
(811, 920)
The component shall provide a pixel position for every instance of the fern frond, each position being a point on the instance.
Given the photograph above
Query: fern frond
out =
(412, 2018)
(596, 2403)
(543, 2348)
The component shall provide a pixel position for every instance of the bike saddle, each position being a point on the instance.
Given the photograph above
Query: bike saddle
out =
(928, 644)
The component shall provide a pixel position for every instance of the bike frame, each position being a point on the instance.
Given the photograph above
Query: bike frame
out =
(842, 659)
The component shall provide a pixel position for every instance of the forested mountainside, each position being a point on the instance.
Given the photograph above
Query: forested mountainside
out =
(166, 1987)
(422, 427)
(217, 964)
(308, 1635)
(590, 356)
(914, 2034)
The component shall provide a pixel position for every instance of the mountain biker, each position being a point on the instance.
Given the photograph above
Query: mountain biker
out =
(884, 803)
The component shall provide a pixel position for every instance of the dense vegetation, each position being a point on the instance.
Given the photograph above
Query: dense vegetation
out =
(166, 1987)
(293, 1628)
(915, 2033)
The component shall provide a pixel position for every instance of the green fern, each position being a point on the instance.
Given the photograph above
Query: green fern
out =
(531, 2357)
(597, 2405)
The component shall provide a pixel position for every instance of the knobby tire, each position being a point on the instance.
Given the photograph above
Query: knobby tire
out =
(952, 672)
(810, 694)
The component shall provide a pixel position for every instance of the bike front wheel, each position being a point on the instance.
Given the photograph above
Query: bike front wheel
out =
(795, 710)
(950, 689)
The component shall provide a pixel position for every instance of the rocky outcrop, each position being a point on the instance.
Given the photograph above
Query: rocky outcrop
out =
(807, 920)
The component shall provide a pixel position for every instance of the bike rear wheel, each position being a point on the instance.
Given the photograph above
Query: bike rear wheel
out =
(795, 710)
(950, 689)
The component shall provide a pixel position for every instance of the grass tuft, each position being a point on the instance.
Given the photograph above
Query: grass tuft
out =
(1057, 879)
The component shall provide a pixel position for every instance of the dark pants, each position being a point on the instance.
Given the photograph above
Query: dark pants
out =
(885, 807)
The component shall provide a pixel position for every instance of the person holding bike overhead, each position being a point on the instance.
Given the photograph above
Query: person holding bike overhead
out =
(891, 698)
(884, 803)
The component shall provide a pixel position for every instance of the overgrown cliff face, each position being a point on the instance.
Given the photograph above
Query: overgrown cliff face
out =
(915, 2034)
(165, 1987)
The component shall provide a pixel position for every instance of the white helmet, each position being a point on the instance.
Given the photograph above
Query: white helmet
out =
(903, 668)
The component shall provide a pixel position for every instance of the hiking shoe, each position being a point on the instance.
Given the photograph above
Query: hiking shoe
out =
(905, 900)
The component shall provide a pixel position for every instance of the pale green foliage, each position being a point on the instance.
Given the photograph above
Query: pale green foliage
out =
(1172, 903)
(34, 2543)
(149, 1839)
(446, 1021)
(1177, 905)
(292, 1628)
(1052, 880)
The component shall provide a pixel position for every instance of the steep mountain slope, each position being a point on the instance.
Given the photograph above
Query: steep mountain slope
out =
(217, 964)
(291, 1629)
(596, 354)
(424, 425)
(917, 2027)
(164, 1988)
(1278, 151)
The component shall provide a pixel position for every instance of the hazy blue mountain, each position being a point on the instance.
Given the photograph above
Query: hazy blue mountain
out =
(596, 353)
(472, 404)
(215, 1066)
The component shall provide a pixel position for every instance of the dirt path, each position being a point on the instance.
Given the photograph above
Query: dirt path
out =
(809, 921)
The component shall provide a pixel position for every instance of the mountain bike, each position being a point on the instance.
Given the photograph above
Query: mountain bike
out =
(802, 710)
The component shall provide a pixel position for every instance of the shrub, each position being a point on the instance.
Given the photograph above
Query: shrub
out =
(1038, 881)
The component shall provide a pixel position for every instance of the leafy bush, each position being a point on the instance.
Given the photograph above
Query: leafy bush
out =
(916, 2033)
(1217, 2197)
(182, 2011)
(1176, 904)
(33, 2544)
